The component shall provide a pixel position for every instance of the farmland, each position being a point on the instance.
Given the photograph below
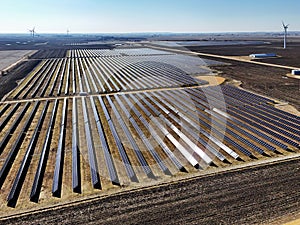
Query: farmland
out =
(97, 121)
(269, 81)
(10, 57)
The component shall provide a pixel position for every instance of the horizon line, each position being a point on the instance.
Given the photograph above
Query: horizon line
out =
(152, 32)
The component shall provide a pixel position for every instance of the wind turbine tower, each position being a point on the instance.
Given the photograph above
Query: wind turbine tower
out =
(32, 32)
(285, 27)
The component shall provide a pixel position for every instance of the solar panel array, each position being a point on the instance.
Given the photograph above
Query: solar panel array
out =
(103, 71)
(160, 132)
(82, 144)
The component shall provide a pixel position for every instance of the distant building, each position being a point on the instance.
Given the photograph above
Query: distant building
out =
(263, 55)
(296, 72)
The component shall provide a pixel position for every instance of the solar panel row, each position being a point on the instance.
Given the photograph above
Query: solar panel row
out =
(189, 125)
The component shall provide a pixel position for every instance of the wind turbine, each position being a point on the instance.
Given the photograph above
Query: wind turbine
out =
(32, 32)
(285, 27)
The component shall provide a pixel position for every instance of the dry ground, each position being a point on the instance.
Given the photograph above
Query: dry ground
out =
(9, 57)
(249, 196)
(288, 57)
(10, 81)
(269, 81)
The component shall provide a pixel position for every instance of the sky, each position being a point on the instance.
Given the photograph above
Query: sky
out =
(127, 16)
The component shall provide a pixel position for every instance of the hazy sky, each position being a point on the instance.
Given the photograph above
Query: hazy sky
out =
(98, 16)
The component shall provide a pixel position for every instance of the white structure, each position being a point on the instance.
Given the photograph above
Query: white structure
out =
(295, 72)
(285, 27)
(262, 55)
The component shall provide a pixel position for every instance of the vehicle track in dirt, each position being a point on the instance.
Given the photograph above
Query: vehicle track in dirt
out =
(251, 195)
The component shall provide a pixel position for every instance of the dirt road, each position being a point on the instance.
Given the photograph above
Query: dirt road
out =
(223, 57)
(268, 79)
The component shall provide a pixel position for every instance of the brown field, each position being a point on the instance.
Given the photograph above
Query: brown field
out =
(10, 81)
(8, 58)
(248, 196)
(246, 190)
(287, 57)
(265, 80)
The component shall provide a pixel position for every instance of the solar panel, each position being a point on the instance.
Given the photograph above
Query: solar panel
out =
(107, 155)
(126, 162)
(19, 179)
(59, 154)
(42, 162)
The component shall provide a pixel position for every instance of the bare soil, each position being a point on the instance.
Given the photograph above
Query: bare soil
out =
(248, 196)
(264, 80)
(8, 58)
(227, 198)
(9, 81)
(287, 57)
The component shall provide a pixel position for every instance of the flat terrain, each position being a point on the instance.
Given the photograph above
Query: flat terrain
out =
(255, 131)
(10, 81)
(265, 80)
(249, 196)
(10, 57)
(287, 57)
